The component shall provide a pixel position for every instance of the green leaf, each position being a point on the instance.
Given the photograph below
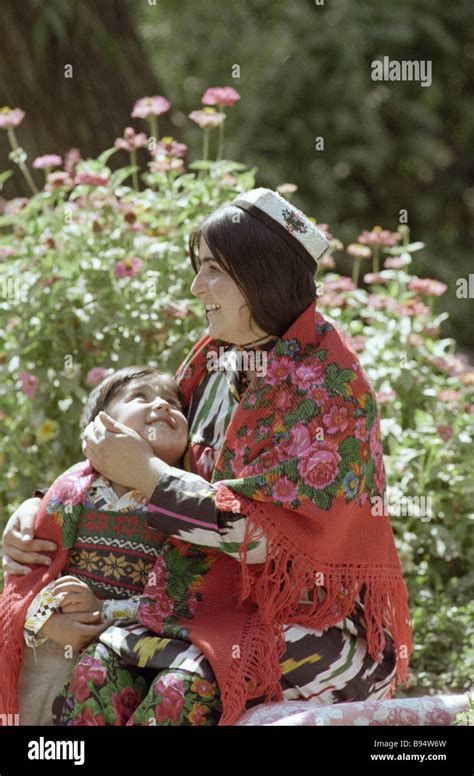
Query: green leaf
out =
(105, 155)
(121, 175)
(200, 165)
(4, 176)
(233, 547)
(397, 250)
(322, 499)
(349, 449)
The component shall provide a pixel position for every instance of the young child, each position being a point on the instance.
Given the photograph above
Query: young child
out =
(113, 550)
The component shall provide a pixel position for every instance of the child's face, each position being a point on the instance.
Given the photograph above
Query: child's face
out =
(153, 413)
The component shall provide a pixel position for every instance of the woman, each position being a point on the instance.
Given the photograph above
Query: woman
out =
(278, 579)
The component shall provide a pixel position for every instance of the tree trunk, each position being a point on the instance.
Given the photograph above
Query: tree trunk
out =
(88, 110)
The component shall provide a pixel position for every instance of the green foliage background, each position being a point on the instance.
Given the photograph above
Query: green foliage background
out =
(305, 73)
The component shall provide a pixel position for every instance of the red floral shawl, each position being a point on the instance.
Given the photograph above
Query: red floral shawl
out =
(302, 459)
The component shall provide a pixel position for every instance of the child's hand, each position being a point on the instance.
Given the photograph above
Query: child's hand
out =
(78, 597)
(74, 630)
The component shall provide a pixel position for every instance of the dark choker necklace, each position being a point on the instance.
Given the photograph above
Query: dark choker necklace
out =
(267, 337)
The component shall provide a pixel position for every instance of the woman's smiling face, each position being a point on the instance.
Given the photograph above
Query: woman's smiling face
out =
(228, 312)
(155, 414)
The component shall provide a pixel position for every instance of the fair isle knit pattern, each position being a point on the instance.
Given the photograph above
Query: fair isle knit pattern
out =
(112, 552)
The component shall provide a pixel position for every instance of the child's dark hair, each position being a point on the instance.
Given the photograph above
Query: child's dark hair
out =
(101, 396)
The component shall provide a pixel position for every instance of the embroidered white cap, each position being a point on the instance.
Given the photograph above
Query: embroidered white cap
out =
(287, 221)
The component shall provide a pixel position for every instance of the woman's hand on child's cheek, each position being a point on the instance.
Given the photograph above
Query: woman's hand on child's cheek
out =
(116, 451)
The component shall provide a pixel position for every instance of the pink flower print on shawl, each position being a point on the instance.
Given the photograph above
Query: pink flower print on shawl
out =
(320, 468)
(308, 374)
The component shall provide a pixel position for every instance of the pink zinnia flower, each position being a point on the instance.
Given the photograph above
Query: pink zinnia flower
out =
(49, 160)
(96, 375)
(129, 267)
(171, 147)
(395, 262)
(11, 117)
(375, 278)
(327, 262)
(71, 159)
(207, 118)
(379, 236)
(150, 106)
(341, 284)
(220, 95)
(413, 307)
(427, 286)
(57, 179)
(381, 302)
(332, 300)
(163, 163)
(131, 140)
(91, 179)
(359, 251)
(29, 383)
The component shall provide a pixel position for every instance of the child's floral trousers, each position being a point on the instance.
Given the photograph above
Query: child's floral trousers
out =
(106, 690)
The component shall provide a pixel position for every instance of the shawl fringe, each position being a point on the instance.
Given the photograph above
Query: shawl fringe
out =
(276, 588)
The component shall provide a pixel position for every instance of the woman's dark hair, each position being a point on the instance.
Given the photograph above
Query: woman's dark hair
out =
(102, 395)
(269, 273)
